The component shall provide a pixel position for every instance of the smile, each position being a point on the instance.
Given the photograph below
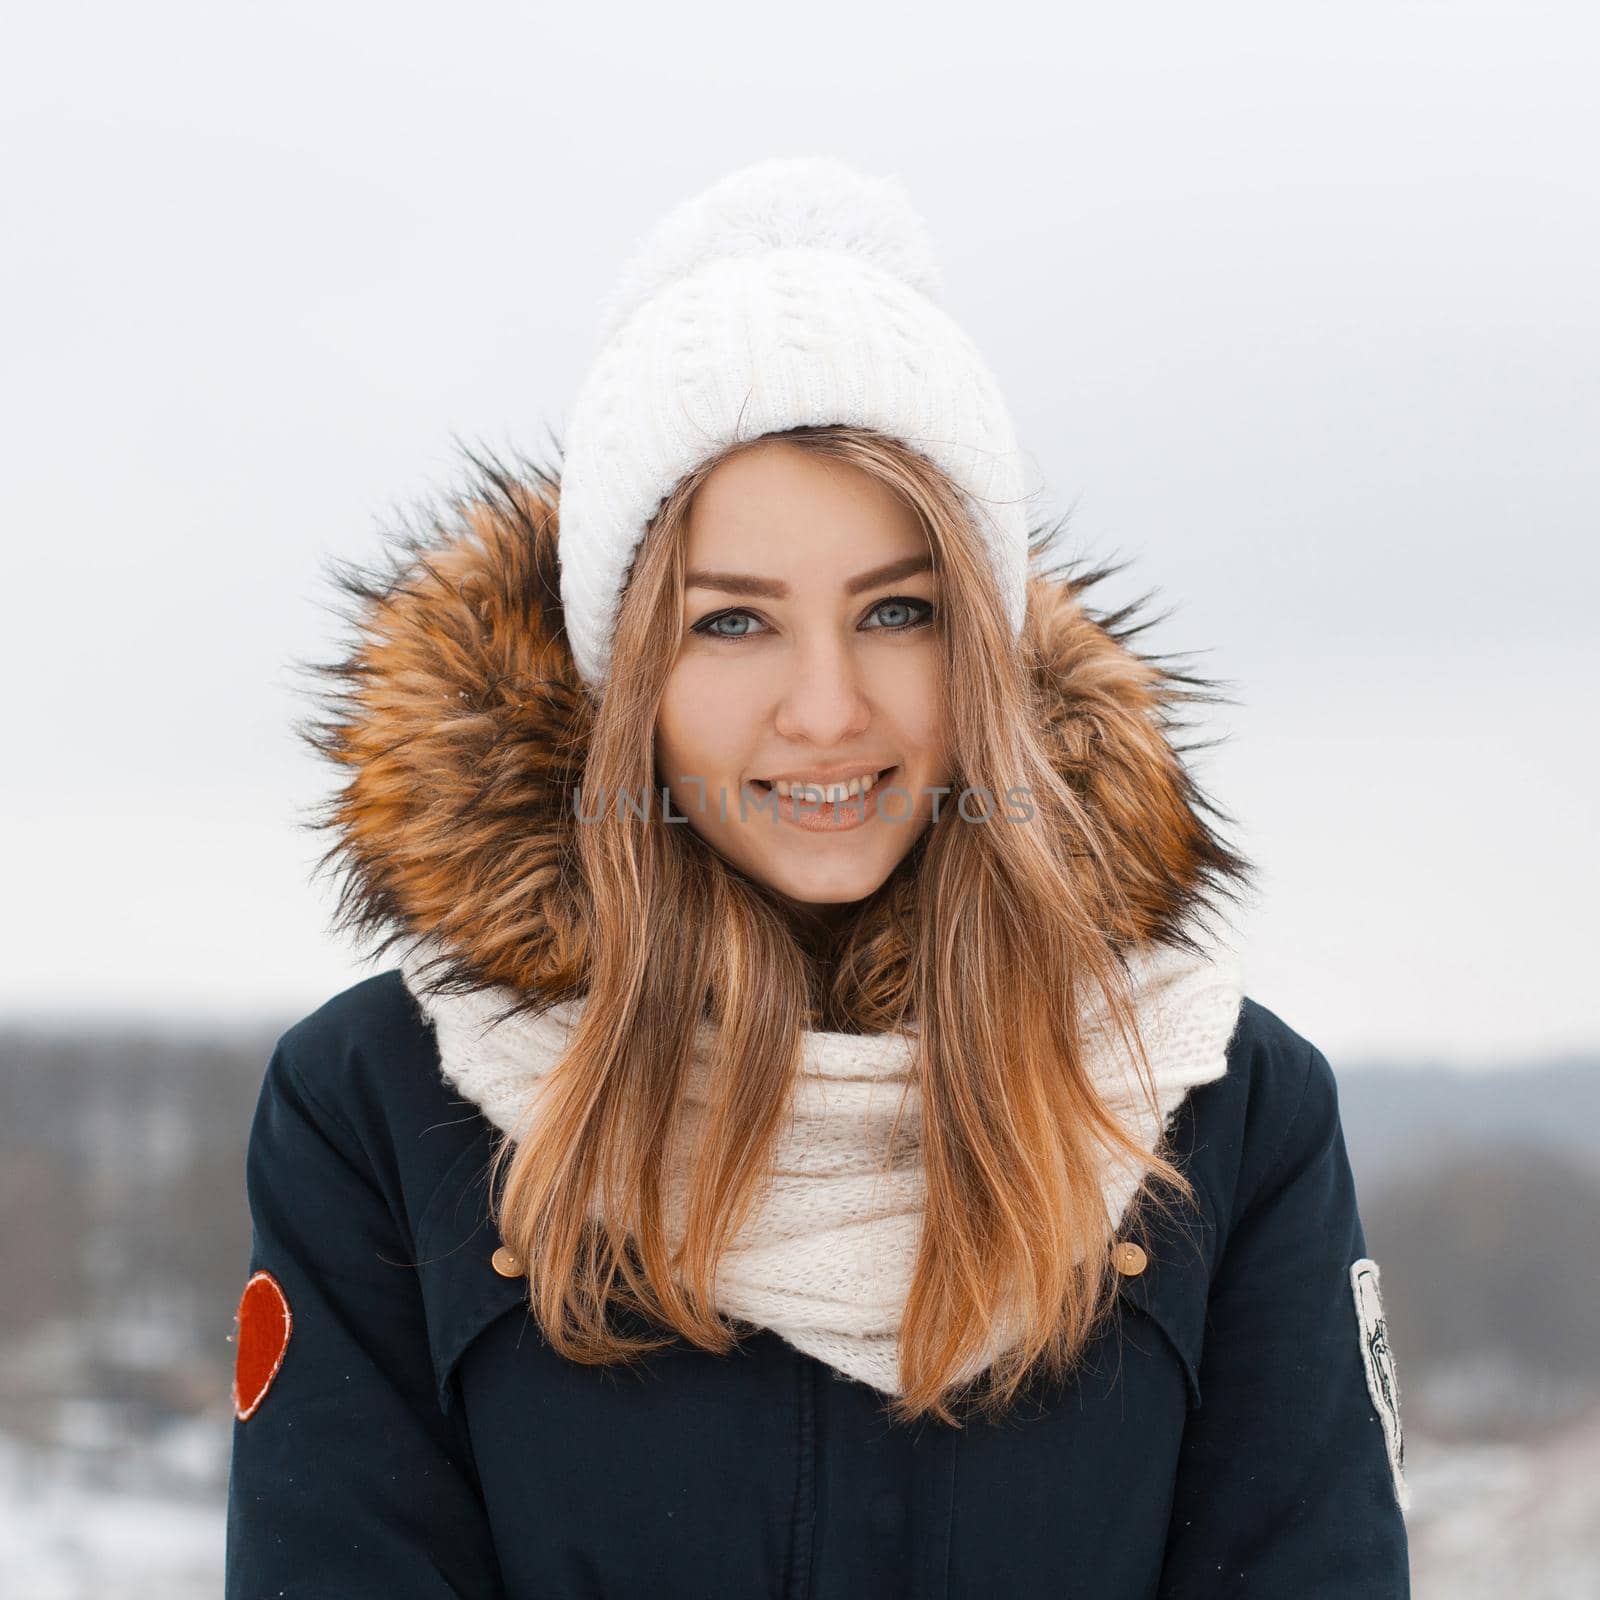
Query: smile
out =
(817, 791)
(834, 807)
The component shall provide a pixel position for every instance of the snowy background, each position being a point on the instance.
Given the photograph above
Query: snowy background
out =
(1294, 307)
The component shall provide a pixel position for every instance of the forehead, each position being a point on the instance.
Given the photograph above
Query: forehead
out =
(776, 506)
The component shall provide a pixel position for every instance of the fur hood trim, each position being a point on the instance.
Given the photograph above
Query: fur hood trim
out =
(459, 724)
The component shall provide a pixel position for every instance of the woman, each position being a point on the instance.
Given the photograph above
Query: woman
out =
(814, 1141)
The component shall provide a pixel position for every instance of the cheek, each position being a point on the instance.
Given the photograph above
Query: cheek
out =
(704, 726)
(911, 701)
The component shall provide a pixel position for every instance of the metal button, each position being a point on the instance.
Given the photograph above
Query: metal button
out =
(506, 1262)
(1129, 1258)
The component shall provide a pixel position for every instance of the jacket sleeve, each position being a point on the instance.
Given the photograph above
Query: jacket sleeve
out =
(347, 1479)
(1290, 1481)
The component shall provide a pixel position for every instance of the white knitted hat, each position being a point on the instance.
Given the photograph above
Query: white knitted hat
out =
(794, 291)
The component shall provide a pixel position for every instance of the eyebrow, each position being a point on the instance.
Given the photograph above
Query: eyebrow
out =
(745, 583)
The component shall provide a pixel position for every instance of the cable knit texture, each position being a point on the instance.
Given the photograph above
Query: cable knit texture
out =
(794, 291)
(826, 1261)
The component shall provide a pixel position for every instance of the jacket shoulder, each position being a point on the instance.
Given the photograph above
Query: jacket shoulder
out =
(365, 1067)
(1278, 1093)
(369, 1043)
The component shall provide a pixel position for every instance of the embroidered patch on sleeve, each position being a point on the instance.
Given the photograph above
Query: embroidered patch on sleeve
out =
(264, 1324)
(1378, 1359)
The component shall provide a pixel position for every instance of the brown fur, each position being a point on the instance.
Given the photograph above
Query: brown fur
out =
(460, 726)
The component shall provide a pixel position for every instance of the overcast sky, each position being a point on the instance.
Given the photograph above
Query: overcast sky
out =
(1294, 305)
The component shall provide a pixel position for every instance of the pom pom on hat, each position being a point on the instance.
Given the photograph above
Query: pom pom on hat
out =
(793, 292)
(786, 202)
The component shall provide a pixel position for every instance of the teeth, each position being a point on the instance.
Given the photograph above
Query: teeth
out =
(827, 792)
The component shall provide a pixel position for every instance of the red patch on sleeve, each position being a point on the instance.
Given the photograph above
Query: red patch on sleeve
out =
(264, 1324)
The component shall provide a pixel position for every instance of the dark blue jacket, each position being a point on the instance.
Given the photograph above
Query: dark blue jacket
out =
(419, 1438)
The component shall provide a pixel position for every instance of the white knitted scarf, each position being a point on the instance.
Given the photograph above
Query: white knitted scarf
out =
(826, 1260)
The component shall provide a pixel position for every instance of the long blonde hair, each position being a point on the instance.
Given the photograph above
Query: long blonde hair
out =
(990, 939)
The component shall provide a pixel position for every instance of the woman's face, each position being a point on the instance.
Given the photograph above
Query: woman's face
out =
(808, 652)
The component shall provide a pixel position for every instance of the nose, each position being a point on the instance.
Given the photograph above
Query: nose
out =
(824, 701)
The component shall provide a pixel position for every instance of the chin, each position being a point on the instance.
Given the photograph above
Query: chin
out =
(822, 884)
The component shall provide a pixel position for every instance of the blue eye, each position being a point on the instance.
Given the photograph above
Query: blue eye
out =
(902, 603)
(710, 629)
